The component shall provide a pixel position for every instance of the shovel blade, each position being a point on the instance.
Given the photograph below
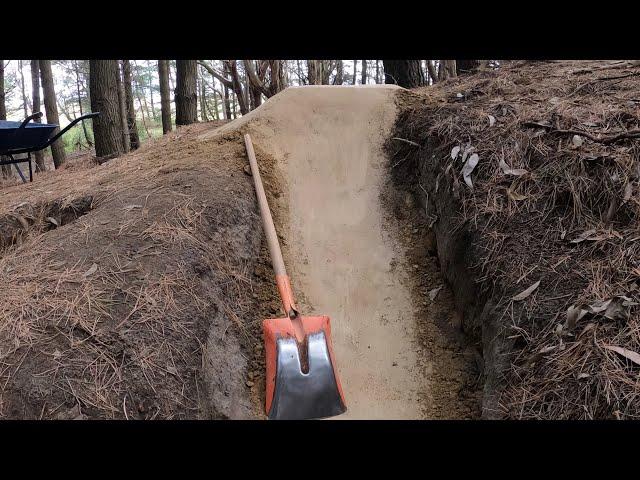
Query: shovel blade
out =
(298, 389)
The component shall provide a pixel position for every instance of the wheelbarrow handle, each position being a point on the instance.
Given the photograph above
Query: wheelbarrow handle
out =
(68, 127)
(29, 118)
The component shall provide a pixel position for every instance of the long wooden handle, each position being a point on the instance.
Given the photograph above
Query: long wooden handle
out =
(282, 279)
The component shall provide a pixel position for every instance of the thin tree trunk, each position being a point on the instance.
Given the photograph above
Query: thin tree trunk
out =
(35, 94)
(165, 99)
(84, 126)
(466, 66)
(355, 70)
(364, 72)
(46, 75)
(431, 70)
(186, 92)
(215, 105)
(134, 138)
(122, 104)
(103, 90)
(227, 105)
(203, 98)
(25, 101)
(339, 78)
(6, 169)
(153, 107)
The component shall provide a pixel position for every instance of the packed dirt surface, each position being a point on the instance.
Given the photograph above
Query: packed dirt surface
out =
(344, 252)
(128, 288)
(528, 173)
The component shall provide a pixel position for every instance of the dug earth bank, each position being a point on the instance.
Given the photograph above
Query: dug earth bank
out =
(354, 254)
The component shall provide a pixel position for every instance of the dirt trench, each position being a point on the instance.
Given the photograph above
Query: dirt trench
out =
(357, 251)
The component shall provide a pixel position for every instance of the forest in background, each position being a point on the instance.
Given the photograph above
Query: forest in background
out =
(141, 99)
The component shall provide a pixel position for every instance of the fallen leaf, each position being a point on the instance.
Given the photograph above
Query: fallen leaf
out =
(468, 169)
(599, 306)
(577, 141)
(52, 220)
(524, 294)
(583, 236)
(492, 120)
(515, 196)
(131, 207)
(91, 271)
(507, 170)
(468, 150)
(583, 375)
(628, 354)
(454, 152)
(172, 370)
(574, 314)
(434, 293)
(628, 191)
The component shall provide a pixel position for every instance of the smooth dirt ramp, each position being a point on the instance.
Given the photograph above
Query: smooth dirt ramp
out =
(341, 250)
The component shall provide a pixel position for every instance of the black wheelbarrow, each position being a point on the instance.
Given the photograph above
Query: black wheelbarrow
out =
(23, 137)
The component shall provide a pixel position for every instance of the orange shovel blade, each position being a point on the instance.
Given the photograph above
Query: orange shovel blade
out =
(302, 381)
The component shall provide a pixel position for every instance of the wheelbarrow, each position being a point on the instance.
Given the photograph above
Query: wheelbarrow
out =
(23, 137)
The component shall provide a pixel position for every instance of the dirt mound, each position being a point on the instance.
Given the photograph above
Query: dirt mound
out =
(343, 245)
(126, 287)
(540, 242)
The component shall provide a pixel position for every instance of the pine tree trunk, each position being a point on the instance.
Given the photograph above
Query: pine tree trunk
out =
(122, 104)
(57, 148)
(84, 125)
(339, 78)
(466, 66)
(103, 90)
(203, 99)
(153, 107)
(186, 92)
(355, 72)
(35, 101)
(25, 103)
(134, 138)
(6, 169)
(364, 72)
(227, 104)
(165, 99)
(405, 73)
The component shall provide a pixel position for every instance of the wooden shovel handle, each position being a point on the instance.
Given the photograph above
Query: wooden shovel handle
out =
(282, 279)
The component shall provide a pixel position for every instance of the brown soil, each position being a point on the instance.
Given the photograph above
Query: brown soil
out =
(565, 215)
(343, 246)
(145, 305)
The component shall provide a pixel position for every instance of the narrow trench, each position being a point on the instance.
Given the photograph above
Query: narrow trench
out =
(28, 219)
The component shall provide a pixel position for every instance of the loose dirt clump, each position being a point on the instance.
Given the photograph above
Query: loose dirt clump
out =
(540, 241)
(146, 305)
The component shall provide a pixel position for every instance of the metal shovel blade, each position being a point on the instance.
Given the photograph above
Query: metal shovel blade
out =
(296, 394)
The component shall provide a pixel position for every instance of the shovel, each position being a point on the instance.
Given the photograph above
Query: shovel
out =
(301, 378)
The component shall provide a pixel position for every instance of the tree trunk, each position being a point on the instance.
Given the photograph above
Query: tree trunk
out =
(84, 125)
(35, 94)
(227, 104)
(203, 98)
(153, 106)
(186, 92)
(405, 73)
(355, 72)
(57, 148)
(215, 105)
(364, 72)
(237, 87)
(165, 99)
(134, 138)
(447, 69)
(466, 66)
(122, 104)
(25, 100)
(339, 78)
(377, 71)
(6, 169)
(103, 90)
(431, 70)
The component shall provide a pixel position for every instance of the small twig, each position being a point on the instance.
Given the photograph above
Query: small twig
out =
(406, 141)
(602, 139)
